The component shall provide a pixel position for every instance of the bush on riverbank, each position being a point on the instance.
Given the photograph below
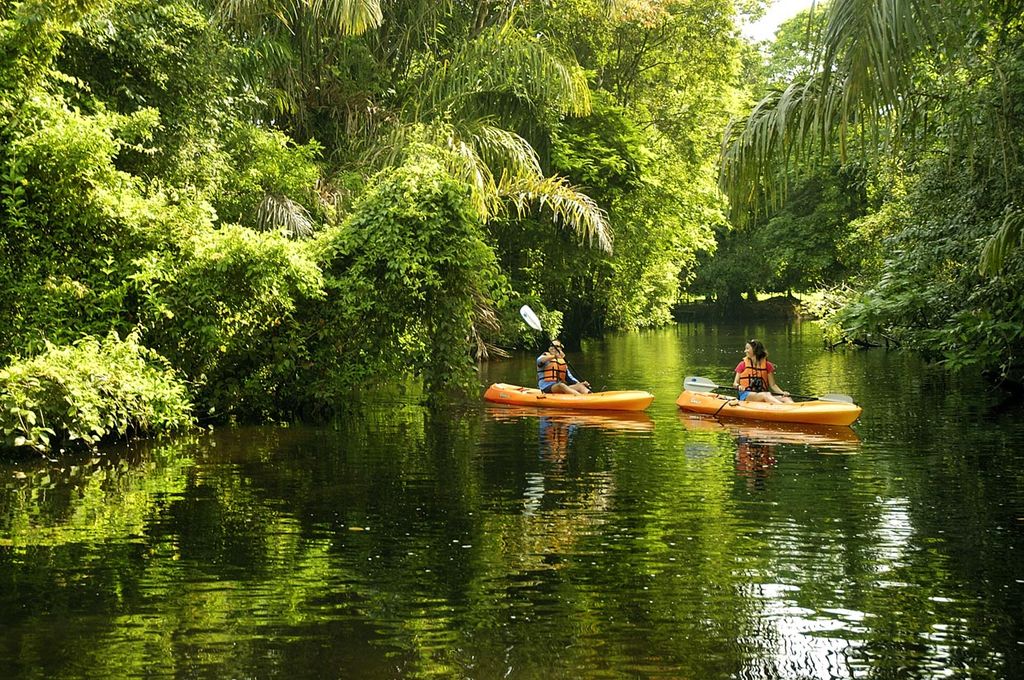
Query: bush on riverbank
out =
(77, 394)
(409, 278)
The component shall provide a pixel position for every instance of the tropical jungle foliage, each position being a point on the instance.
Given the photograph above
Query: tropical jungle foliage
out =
(911, 111)
(283, 202)
(88, 390)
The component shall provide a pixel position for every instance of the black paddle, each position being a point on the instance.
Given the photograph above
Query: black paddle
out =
(698, 384)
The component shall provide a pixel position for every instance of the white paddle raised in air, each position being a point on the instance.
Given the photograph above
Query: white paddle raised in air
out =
(530, 318)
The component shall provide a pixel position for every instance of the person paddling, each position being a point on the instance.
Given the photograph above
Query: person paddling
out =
(553, 374)
(755, 377)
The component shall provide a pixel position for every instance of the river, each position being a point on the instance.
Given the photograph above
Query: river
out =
(487, 542)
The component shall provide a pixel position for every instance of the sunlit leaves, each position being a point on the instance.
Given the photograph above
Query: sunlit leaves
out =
(321, 18)
(566, 203)
(83, 392)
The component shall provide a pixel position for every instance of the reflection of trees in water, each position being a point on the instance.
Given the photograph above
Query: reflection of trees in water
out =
(90, 498)
(404, 545)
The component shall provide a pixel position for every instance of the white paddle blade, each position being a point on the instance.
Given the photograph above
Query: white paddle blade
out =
(530, 318)
(845, 398)
(697, 384)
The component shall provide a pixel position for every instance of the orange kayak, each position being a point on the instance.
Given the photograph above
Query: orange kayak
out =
(627, 400)
(814, 412)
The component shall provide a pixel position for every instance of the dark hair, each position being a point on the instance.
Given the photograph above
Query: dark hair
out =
(759, 351)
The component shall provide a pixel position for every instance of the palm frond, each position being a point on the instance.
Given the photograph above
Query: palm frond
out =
(337, 17)
(867, 61)
(864, 77)
(485, 323)
(505, 58)
(1008, 237)
(348, 17)
(477, 153)
(500, 166)
(281, 212)
(756, 150)
(568, 205)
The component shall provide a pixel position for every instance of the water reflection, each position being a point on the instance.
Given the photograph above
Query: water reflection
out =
(755, 443)
(521, 543)
(824, 438)
(615, 421)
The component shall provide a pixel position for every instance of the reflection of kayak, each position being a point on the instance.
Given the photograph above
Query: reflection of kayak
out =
(819, 412)
(839, 437)
(636, 421)
(630, 400)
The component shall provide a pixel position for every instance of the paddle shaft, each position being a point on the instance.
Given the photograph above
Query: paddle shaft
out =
(777, 394)
(700, 384)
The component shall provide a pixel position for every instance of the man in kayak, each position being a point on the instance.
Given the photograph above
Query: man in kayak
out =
(755, 377)
(553, 374)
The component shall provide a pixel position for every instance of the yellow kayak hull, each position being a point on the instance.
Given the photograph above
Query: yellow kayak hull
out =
(813, 412)
(626, 400)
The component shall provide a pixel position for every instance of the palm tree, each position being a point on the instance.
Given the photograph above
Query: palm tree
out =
(465, 104)
(880, 73)
(863, 76)
(293, 45)
(463, 95)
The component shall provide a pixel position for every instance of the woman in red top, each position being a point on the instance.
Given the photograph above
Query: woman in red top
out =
(755, 377)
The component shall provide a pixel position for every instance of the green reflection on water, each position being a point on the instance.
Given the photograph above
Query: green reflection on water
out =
(492, 543)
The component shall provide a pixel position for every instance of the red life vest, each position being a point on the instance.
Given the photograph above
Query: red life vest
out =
(754, 377)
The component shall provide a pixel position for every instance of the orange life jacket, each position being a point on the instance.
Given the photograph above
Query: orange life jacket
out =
(754, 377)
(553, 371)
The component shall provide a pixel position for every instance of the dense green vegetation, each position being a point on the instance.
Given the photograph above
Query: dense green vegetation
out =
(283, 202)
(905, 118)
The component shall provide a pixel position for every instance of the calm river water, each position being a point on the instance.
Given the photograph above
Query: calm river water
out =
(484, 542)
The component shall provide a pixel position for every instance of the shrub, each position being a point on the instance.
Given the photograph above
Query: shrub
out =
(268, 167)
(406, 274)
(221, 311)
(92, 389)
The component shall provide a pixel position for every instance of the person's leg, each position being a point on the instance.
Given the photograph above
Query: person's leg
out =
(767, 397)
(580, 388)
(561, 388)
